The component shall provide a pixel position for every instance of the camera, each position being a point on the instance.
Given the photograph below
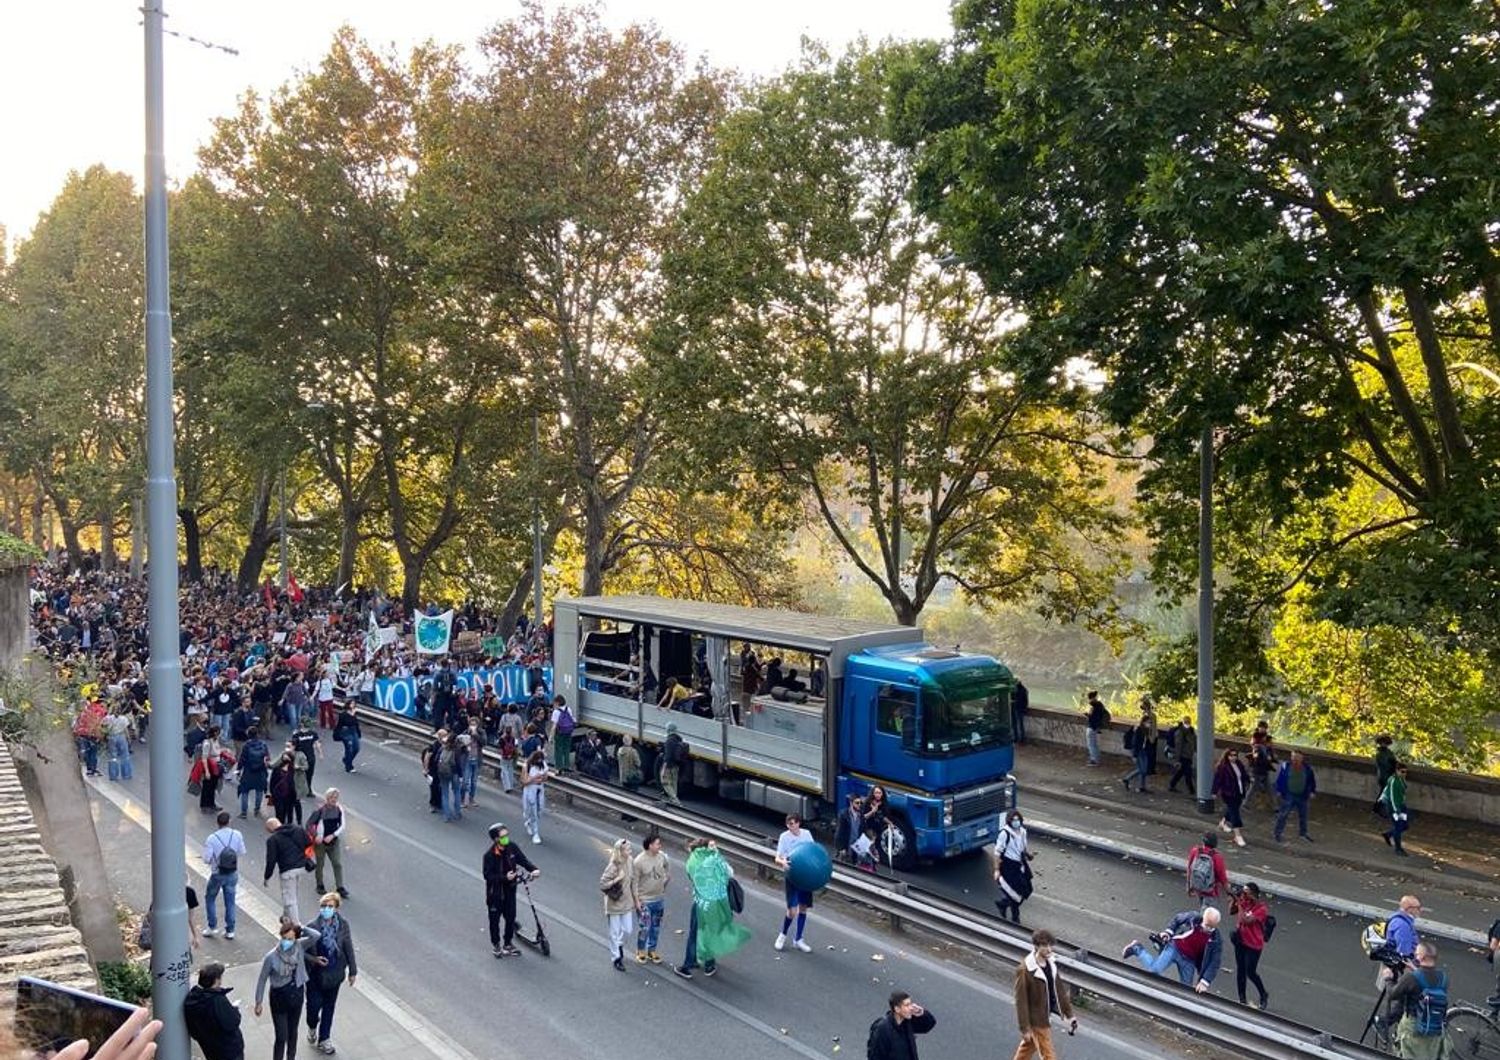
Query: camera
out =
(1236, 889)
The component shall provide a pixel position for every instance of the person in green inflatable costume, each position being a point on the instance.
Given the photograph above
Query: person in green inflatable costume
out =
(712, 932)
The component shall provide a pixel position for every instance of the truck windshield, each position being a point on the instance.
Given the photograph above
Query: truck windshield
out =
(965, 715)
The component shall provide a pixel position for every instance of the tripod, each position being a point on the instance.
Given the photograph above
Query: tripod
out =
(1377, 1024)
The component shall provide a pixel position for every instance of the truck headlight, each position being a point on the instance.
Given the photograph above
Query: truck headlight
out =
(948, 813)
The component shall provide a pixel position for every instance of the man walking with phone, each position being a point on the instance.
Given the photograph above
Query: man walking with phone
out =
(222, 851)
(893, 1036)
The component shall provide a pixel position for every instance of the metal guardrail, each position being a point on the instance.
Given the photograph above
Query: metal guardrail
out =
(1250, 1031)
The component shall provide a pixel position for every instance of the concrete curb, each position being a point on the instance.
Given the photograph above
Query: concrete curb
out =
(1296, 894)
(1419, 877)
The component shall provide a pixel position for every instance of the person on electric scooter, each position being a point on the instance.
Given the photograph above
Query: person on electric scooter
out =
(504, 864)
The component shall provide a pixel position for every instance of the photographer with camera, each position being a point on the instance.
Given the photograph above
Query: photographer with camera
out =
(1418, 1006)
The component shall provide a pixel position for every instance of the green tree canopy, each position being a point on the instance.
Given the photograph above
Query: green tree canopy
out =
(817, 340)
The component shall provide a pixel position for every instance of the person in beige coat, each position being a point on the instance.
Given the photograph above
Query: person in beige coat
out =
(1040, 993)
(620, 901)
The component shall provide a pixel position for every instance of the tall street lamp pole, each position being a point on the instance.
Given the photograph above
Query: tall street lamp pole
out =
(1205, 763)
(536, 517)
(170, 958)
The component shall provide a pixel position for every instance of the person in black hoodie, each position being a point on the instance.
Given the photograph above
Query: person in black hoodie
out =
(212, 1019)
(286, 853)
(894, 1035)
(504, 862)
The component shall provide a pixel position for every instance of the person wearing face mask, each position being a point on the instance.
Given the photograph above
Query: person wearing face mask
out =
(328, 964)
(504, 864)
(1012, 866)
(284, 970)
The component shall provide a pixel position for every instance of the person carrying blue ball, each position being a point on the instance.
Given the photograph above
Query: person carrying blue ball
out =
(796, 854)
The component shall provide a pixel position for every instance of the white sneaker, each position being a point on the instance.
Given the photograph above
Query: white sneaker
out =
(229, 935)
(537, 838)
(781, 942)
(209, 933)
(803, 946)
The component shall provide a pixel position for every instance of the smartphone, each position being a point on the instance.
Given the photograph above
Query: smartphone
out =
(50, 1016)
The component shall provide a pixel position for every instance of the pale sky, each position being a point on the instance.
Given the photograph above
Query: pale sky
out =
(71, 70)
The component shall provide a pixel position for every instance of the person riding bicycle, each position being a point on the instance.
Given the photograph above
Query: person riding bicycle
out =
(1418, 1005)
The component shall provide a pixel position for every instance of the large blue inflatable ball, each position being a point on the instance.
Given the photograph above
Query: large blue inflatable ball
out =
(809, 868)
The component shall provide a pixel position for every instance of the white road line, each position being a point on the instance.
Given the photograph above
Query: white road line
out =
(267, 914)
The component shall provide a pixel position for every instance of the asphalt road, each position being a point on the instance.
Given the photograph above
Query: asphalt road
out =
(418, 916)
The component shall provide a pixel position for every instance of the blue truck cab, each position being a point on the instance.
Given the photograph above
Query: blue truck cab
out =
(853, 704)
(933, 728)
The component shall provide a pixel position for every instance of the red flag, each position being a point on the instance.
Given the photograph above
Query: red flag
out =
(265, 593)
(296, 589)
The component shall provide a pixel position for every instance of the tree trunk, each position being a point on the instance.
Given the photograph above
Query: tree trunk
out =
(593, 540)
(192, 539)
(905, 610)
(70, 541)
(137, 537)
(515, 603)
(107, 540)
(411, 581)
(349, 516)
(38, 537)
(259, 544)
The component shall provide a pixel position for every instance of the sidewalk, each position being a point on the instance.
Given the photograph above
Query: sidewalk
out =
(1454, 867)
(360, 1028)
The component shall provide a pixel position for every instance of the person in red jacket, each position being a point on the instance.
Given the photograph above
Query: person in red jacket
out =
(1207, 878)
(1249, 939)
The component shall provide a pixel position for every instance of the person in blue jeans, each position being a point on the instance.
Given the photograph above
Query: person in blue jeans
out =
(1192, 945)
(117, 738)
(1296, 784)
(222, 852)
(346, 730)
(652, 874)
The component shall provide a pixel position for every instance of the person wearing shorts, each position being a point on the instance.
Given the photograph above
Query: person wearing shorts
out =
(798, 901)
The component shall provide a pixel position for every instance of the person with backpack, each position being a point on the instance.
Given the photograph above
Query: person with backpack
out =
(309, 748)
(1385, 768)
(1394, 797)
(1012, 866)
(1185, 750)
(1097, 720)
(255, 769)
(450, 775)
(1262, 763)
(894, 1035)
(1137, 740)
(1207, 877)
(1040, 995)
(508, 751)
(222, 851)
(711, 932)
(674, 755)
(1253, 927)
(1418, 1005)
(560, 728)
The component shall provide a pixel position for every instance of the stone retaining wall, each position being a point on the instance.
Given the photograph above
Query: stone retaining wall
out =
(1451, 794)
(37, 937)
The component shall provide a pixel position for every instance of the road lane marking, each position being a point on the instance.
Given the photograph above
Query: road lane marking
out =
(261, 909)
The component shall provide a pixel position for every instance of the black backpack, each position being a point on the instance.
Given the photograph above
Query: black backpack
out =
(870, 1042)
(228, 861)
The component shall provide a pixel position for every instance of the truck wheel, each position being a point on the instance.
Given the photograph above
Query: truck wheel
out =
(898, 847)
